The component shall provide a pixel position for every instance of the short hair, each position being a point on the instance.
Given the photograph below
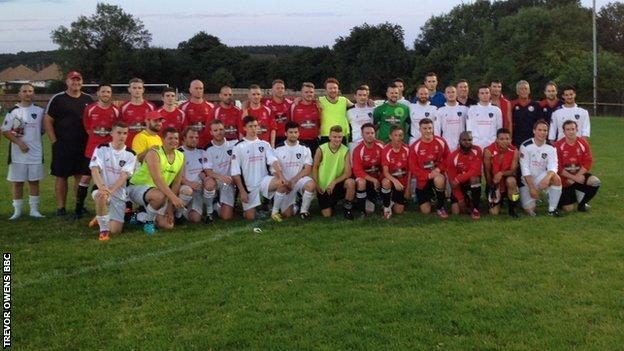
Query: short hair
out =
(502, 131)
(104, 85)
(254, 86)
(395, 127)
(497, 81)
(331, 80)
(27, 84)
(569, 87)
(215, 122)
(249, 119)
(136, 80)
(224, 87)
(464, 133)
(421, 86)
(307, 85)
(189, 129)
(398, 80)
(425, 121)
(168, 90)
(336, 129)
(362, 87)
(367, 125)
(391, 86)
(291, 125)
(549, 84)
(278, 81)
(450, 86)
(119, 124)
(484, 87)
(540, 121)
(462, 81)
(568, 122)
(522, 82)
(169, 130)
(431, 74)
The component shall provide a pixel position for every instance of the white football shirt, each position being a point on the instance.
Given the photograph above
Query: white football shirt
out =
(112, 163)
(29, 122)
(483, 121)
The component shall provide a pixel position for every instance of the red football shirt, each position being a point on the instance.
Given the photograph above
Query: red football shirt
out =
(503, 104)
(367, 160)
(397, 162)
(174, 119)
(502, 160)
(232, 118)
(573, 157)
(308, 117)
(280, 112)
(265, 121)
(98, 122)
(134, 116)
(198, 116)
(463, 166)
(424, 157)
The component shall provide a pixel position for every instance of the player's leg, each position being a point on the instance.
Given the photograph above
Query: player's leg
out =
(424, 197)
(554, 194)
(166, 220)
(35, 175)
(349, 196)
(227, 196)
(309, 190)
(281, 191)
(590, 189)
(439, 184)
(513, 194)
(360, 195)
(249, 208)
(567, 201)
(195, 208)
(209, 193)
(326, 203)
(81, 194)
(101, 200)
(116, 213)
(475, 197)
(386, 196)
(399, 199)
(60, 192)
(186, 195)
(18, 199)
(155, 205)
(527, 202)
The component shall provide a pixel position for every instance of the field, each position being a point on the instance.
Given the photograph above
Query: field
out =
(412, 283)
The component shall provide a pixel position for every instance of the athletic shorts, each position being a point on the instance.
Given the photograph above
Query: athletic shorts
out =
(291, 198)
(568, 193)
(116, 207)
(427, 193)
(227, 193)
(255, 192)
(197, 202)
(371, 193)
(137, 193)
(398, 197)
(68, 159)
(525, 194)
(21, 172)
(326, 200)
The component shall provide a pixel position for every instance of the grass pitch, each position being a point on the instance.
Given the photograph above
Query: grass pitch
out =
(413, 282)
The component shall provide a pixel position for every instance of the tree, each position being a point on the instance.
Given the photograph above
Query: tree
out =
(100, 46)
(610, 25)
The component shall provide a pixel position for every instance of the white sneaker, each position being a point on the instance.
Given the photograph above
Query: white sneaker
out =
(15, 216)
(36, 214)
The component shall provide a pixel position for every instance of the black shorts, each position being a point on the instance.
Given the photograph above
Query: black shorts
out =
(371, 193)
(398, 197)
(465, 189)
(68, 159)
(328, 201)
(568, 193)
(427, 193)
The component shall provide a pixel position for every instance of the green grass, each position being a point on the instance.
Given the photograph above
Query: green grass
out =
(413, 282)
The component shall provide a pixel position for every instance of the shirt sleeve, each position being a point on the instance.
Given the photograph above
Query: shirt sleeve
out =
(235, 164)
(8, 122)
(52, 108)
(96, 159)
(524, 161)
(552, 130)
(553, 162)
(589, 158)
(129, 167)
(358, 170)
(270, 155)
(308, 157)
(586, 125)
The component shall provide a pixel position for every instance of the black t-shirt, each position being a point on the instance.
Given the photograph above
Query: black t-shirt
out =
(67, 114)
(469, 102)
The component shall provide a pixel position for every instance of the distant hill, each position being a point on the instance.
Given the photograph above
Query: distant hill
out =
(36, 60)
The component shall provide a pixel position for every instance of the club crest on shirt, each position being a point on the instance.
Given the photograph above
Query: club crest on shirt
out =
(298, 156)
(122, 163)
(577, 116)
(459, 113)
(426, 114)
(33, 115)
(545, 109)
(491, 114)
(531, 108)
(544, 155)
(261, 148)
(370, 115)
(229, 152)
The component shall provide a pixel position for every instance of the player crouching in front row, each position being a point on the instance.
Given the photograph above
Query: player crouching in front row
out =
(111, 165)
(464, 174)
(394, 186)
(500, 163)
(575, 162)
(367, 170)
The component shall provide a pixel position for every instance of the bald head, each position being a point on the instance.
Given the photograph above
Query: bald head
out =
(196, 89)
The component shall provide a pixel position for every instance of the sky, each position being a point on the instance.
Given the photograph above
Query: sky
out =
(25, 25)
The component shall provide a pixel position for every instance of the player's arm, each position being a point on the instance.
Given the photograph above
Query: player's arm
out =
(318, 158)
(8, 133)
(48, 126)
(272, 138)
(235, 172)
(552, 129)
(126, 173)
(509, 119)
(153, 164)
(177, 181)
(586, 128)
(487, 166)
(525, 169)
(513, 170)
(346, 173)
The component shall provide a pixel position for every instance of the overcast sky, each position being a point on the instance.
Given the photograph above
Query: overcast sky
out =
(25, 25)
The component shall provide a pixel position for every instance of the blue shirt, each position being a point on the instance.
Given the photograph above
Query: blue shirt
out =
(438, 100)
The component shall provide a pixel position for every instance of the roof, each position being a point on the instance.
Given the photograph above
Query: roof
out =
(21, 72)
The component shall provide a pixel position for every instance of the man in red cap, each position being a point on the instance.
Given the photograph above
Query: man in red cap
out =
(63, 124)
(150, 136)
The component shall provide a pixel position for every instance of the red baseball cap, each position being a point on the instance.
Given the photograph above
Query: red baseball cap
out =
(153, 115)
(73, 74)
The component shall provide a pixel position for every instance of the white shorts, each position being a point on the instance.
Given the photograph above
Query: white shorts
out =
(525, 194)
(136, 193)
(21, 172)
(254, 193)
(197, 202)
(227, 194)
(291, 197)
(116, 207)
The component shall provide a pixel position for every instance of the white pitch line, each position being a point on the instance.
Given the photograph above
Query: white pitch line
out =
(56, 274)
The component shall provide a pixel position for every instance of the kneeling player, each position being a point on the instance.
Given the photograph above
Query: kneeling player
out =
(296, 162)
(367, 169)
(575, 162)
(156, 183)
(250, 158)
(394, 186)
(219, 154)
(538, 163)
(427, 162)
(195, 181)
(500, 162)
(111, 166)
(464, 174)
(332, 173)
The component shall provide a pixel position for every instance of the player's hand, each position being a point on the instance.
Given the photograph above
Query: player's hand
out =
(397, 185)
(497, 177)
(197, 186)
(244, 196)
(534, 193)
(330, 188)
(104, 190)
(102, 194)
(454, 183)
(226, 179)
(543, 184)
(376, 184)
(177, 202)
(23, 147)
(319, 190)
(579, 178)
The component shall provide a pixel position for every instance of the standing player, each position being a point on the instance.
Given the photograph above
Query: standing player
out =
(435, 97)
(63, 124)
(296, 162)
(427, 161)
(463, 94)
(420, 110)
(198, 113)
(173, 117)
(194, 180)
(133, 112)
(23, 127)
(359, 115)
(250, 158)
(332, 174)
(500, 164)
(496, 92)
(156, 184)
(484, 119)
(307, 114)
(551, 102)
(333, 110)
(230, 115)
(464, 175)
(525, 113)
(400, 83)
(112, 164)
(575, 162)
(149, 137)
(280, 107)
(367, 169)
(396, 176)
(263, 115)
(539, 165)
(451, 118)
(389, 114)
(219, 154)
(569, 112)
